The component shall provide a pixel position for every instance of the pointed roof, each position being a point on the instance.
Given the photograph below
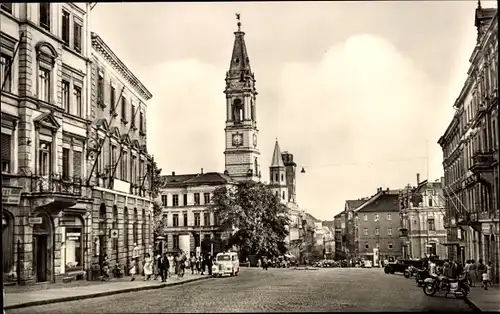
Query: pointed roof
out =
(184, 180)
(239, 59)
(277, 160)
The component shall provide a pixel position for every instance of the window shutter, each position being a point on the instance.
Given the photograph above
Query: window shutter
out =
(77, 164)
(6, 147)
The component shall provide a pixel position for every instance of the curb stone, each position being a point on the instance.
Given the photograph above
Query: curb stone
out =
(472, 305)
(99, 294)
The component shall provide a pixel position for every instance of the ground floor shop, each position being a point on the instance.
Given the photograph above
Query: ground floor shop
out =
(198, 242)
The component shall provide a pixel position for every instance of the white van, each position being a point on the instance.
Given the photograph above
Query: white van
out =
(226, 263)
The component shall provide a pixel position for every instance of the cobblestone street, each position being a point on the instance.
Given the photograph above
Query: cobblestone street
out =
(255, 290)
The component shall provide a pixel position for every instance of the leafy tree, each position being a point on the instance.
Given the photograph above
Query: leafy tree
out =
(157, 181)
(254, 215)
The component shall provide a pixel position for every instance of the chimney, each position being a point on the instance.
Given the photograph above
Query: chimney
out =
(418, 178)
(201, 170)
(173, 173)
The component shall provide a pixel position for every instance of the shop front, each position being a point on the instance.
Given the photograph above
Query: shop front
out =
(72, 230)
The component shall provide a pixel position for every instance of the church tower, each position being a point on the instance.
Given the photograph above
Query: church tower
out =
(242, 153)
(277, 172)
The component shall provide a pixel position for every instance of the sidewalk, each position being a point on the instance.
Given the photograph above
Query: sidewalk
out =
(484, 300)
(19, 299)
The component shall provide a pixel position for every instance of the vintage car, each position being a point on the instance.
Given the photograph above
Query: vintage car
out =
(226, 263)
(401, 265)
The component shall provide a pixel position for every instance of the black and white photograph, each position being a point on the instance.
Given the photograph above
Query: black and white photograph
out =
(239, 156)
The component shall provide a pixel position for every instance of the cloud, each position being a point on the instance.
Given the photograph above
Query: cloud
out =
(370, 107)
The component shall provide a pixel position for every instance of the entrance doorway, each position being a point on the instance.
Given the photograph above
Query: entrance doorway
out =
(41, 257)
(42, 249)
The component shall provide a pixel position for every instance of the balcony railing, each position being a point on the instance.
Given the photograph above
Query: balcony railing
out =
(56, 183)
(482, 161)
(463, 219)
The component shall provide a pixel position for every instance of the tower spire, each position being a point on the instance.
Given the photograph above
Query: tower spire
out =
(240, 63)
(277, 160)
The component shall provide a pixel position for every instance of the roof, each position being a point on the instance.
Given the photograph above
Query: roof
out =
(383, 201)
(277, 160)
(338, 215)
(100, 46)
(353, 204)
(330, 224)
(311, 217)
(209, 178)
(239, 59)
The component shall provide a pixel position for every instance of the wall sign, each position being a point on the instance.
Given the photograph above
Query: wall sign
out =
(11, 195)
(35, 220)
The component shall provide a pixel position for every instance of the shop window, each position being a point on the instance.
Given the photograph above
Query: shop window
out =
(73, 243)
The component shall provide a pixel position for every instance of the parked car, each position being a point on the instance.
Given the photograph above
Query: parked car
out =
(226, 264)
(401, 265)
(367, 264)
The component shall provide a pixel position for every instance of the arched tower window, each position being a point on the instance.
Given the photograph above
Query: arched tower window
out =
(238, 110)
(276, 177)
(283, 194)
(282, 178)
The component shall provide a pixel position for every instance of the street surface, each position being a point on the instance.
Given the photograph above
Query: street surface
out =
(277, 290)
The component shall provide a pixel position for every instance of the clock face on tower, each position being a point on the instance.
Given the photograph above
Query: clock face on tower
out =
(255, 140)
(237, 139)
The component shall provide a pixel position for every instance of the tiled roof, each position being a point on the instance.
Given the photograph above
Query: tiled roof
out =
(353, 204)
(381, 202)
(209, 178)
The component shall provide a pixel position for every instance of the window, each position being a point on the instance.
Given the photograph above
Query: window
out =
(78, 101)
(206, 197)
(77, 37)
(65, 27)
(77, 164)
(197, 219)
(430, 201)
(124, 109)
(276, 177)
(185, 199)
(5, 72)
(282, 178)
(164, 200)
(175, 200)
(175, 220)
(389, 245)
(185, 218)
(377, 231)
(367, 246)
(197, 198)
(283, 195)
(133, 170)
(216, 218)
(375, 217)
(365, 231)
(389, 217)
(100, 89)
(365, 217)
(112, 95)
(113, 156)
(6, 147)
(141, 122)
(44, 154)
(432, 249)
(132, 116)
(45, 15)
(431, 223)
(65, 96)
(65, 160)
(124, 166)
(206, 218)
(389, 231)
(176, 241)
(7, 7)
(44, 85)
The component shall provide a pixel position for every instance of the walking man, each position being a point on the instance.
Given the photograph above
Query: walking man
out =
(163, 266)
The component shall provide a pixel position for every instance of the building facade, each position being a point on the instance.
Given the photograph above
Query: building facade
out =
(470, 153)
(45, 50)
(340, 236)
(349, 233)
(118, 160)
(422, 212)
(376, 224)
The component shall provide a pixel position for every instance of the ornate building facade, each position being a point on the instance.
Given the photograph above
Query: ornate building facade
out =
(470, 152)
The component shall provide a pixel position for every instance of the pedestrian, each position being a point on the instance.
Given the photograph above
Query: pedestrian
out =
(193, 263)
(209, 264)
(105, 268)
(485, 279)
(171, 262)
(163, 265)
(467, 270)
(265, 263)
(148, 267)
(178, 265)
(133, 270)
(259, 263)
(489, 271)
(156, 269)
(481, 268)
(472, 273)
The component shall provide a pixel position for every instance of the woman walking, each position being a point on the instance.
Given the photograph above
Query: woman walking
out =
(171, 263)
(156, 269)
(133, 270)
(472, 272)
(148, 267)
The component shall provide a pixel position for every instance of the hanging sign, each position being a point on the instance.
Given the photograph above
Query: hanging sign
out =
(35, 220)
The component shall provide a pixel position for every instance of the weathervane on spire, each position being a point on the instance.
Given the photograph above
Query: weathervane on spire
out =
(239, 22)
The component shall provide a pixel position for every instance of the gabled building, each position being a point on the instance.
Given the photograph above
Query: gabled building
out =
(349, 234)
(422, 212)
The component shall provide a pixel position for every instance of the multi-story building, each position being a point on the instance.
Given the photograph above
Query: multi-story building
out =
(421, 212)
(241, 163)
(45, 51)
(118, 161)
(329, 238)
(349, 234)
(470, 152)
(340, 236)
(376, 224)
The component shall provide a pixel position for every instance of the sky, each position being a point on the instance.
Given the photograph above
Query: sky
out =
(358, 92)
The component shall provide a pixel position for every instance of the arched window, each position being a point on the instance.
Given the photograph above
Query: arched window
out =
(276, 177)
(134, 226)
(143, 228)
(238, 111)
(282, 178)
(283, 194)
(46, 55)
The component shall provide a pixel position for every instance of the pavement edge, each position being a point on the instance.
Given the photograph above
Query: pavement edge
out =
(99, 294)
(472, 304)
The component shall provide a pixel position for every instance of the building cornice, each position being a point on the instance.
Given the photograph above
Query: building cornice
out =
(100, 46)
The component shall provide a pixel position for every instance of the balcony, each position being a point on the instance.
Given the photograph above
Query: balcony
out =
(403, 232)
(56, 184)
(482, 162)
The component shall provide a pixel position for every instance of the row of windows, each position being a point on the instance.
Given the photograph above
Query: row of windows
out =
(431, 223)
(123, 163)
(197, 219)
(175, 199)
(377, 231)
(377, 245)
(376, 217)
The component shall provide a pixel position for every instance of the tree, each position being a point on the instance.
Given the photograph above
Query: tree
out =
(254, 215)
(157, 182)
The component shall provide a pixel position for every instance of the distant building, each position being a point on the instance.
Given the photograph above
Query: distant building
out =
(422, 229)
(349, 232)
(376, 224)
